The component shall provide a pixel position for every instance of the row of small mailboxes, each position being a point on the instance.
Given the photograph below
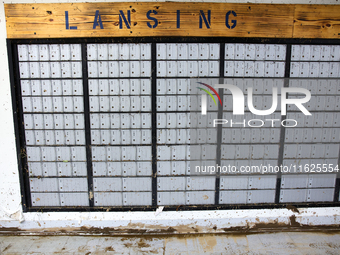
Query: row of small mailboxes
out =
(181, 198)
(76, 104)
(181, 168)
(180, 136)
(77, 137)
(55, 52)
(78, 153)
(179, 86)
(178, 69)
(182, 120)
(164, 103)
(76, 121)
(65, 52)
(178, 51)
(183, 152)
(179, 183)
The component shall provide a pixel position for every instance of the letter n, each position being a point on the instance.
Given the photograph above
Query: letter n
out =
(207, 22)
(123, 18)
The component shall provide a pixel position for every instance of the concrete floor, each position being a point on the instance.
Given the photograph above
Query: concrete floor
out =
(264, 243)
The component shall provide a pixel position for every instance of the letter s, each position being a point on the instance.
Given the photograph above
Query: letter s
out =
(152, 18)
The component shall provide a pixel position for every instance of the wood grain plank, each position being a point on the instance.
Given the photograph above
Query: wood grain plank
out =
(317, 21)
(48, 20)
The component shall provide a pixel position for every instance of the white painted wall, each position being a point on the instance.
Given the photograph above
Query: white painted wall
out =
(10, 199)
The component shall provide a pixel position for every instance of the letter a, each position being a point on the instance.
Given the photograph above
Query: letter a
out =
(95, 22)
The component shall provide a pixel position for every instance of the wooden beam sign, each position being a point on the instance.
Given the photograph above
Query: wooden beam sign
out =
(143, 19)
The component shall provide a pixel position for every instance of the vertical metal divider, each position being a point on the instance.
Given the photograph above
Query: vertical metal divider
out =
(219, 127)
(18, 121)
(337, 183)
(87, 124)
(282, 129)
(154, 122)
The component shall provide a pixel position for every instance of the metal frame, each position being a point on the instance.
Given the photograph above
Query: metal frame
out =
(87, 124)
(20, 135)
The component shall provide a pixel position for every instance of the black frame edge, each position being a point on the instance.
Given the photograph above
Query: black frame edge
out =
(154, 122)
(12, 54)
(87, 125)
(219, 127)
(283, 129)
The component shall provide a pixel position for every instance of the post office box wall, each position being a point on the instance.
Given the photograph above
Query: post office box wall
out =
(120, 100)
